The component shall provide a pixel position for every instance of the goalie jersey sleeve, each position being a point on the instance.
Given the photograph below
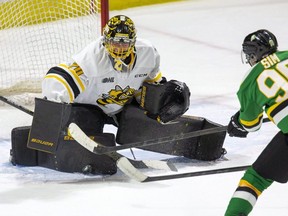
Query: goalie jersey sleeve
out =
(92, 79)
(63, 83)
(265, 88)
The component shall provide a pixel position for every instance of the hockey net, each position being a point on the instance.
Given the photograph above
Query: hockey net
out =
(38, 34)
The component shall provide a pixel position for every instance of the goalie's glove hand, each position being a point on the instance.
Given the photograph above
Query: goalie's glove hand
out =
(235, 129)
(177, 101)
(168, 113)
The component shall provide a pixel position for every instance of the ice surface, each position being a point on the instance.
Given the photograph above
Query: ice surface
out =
(199, 43)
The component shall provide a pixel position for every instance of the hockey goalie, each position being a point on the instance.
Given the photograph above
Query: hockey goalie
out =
(114, 80)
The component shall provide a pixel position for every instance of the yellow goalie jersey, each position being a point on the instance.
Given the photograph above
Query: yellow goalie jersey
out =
(95, 78)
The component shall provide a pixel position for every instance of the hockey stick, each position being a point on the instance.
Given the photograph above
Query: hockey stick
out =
(127, 166)
(97, 148)
(194, 174)
(6, 100)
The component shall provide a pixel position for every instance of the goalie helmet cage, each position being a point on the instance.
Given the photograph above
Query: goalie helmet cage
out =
(39, 34)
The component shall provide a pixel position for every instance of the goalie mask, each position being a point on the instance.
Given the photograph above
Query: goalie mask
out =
(119, 37)
(258, 45)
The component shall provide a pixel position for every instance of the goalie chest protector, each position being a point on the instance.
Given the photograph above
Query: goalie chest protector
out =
(135, 126)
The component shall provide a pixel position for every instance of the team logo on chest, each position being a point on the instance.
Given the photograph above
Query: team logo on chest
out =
(116, 96)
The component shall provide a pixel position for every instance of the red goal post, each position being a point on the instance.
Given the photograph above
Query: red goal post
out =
(38, 34)
(104, 12)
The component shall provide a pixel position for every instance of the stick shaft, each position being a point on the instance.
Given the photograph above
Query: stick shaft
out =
(194, 174)
(17, 106)
(106, 149)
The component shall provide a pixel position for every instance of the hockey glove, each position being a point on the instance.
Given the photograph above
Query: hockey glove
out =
(235, 128)
(166, 101)
(177, 101)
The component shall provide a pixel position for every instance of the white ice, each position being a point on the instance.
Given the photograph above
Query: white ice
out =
(200, 43)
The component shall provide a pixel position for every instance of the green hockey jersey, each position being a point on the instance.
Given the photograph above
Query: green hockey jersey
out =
(265, 88)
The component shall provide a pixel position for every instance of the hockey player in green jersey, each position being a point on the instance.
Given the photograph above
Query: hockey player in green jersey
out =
(265, 88)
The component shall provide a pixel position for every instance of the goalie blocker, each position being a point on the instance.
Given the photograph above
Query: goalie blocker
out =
(47, 143)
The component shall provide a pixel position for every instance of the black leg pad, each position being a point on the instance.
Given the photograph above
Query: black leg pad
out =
(136, 126)
(20, 154)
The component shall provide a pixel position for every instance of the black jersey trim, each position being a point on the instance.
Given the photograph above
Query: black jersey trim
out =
(67, 77)
(280, 107)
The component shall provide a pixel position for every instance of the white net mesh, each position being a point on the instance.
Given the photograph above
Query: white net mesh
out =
(38, 34)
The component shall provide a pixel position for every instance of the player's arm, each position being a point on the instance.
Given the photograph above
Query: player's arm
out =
(155, 75)
(63, 83)
(251, 117)
(162, 100)
(248, 119)
(251, 108)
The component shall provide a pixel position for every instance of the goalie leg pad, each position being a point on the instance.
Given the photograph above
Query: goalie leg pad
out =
(19, 153)
(72, 157)
(272, 162)
(52, 146)
(136, 126)
(69, 157)
(209, 147)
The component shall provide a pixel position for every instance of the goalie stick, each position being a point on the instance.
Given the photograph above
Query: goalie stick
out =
(97, 148)
(11, 103)
(127, 166)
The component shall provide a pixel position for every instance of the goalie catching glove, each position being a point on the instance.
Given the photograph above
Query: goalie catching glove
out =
(165, 102)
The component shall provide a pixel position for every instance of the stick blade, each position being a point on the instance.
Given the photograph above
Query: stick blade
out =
(126, 167)
(122, 162)
(162, 165)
